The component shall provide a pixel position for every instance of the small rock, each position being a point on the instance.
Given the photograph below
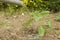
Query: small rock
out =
(22, 14)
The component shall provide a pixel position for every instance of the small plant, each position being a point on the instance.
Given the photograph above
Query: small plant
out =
(35, 16)
(38, 15)
(42, 30)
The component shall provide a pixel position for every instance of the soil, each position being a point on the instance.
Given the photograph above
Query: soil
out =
(13, 28)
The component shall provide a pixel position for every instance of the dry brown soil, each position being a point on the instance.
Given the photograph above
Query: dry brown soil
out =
(11, 28)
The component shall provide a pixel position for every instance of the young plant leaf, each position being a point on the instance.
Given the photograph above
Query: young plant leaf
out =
(41, 31)
(38, 15)
(50, 24)
(44, 13)
(27, 23)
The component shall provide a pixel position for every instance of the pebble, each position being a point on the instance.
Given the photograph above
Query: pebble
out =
(22, 14)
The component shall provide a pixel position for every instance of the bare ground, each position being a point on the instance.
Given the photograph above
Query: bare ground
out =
(11, 28)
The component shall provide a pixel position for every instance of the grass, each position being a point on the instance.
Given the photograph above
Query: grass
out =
(4, 22)
(10, 11)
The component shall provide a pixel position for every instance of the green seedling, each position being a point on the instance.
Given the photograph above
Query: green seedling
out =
(35, 16)
(38, 15)
(41, 31)
(27, 23)
(50, 24)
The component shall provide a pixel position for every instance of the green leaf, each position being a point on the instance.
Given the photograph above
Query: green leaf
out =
(50, 24)
(27, 23)
(41, 31)
(44, 12)
(38, 15)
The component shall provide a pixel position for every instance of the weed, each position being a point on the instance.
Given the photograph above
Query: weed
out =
(37, 16)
